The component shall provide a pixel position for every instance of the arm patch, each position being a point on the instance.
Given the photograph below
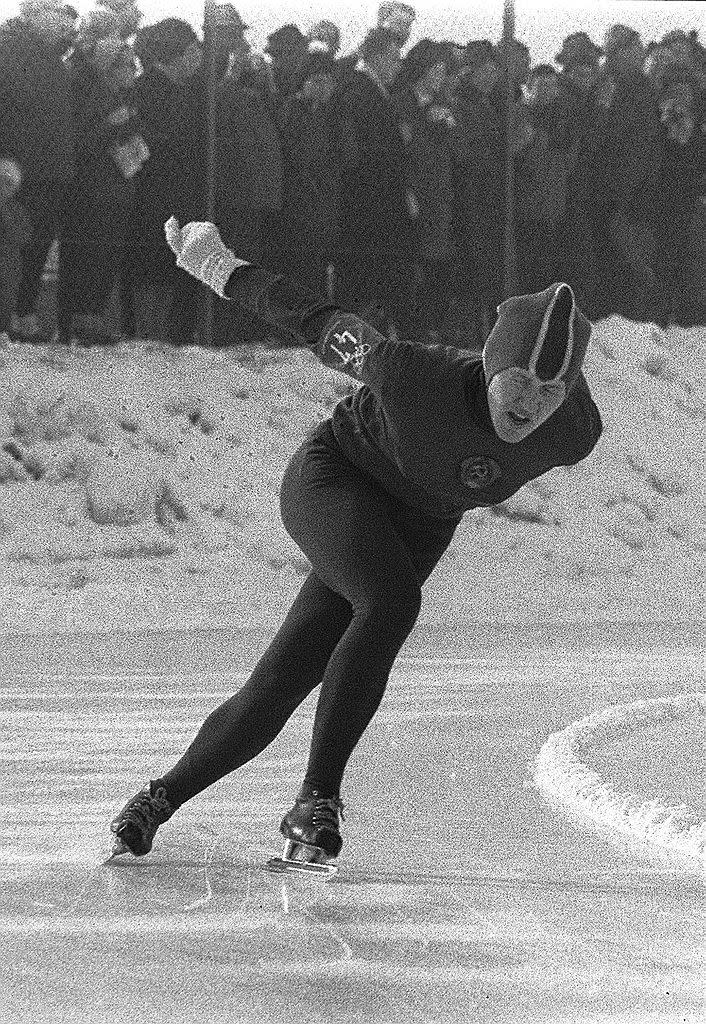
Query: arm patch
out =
(346, 343)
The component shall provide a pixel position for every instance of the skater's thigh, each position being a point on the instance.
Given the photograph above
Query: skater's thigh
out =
(344, 525)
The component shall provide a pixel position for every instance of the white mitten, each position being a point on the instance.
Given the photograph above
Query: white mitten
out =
(200, 251)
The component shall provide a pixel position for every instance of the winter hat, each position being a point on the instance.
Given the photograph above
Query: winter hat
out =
(286, 41)
(324, 36)
(164, 41)
(398, 17)
(544, 335)
(578, 48)
(620, 37)
(477, 53)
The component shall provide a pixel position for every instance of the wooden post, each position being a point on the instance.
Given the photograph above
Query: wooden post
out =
(210, 20)
(510, 285)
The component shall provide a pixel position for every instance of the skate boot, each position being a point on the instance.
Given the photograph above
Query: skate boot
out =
(134, 827)
(312, 836)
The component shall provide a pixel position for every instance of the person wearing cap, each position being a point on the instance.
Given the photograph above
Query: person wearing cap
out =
(582, 120)
(287, 49)
(37, 131)
(110, 151)
(425, 124)
(170, 98)
(579, 60)
(540, 181)
(305, 229)
(631, 160)
(324, 37)
(479, 155)
(373, 497)
(679, 187)
(373, 258)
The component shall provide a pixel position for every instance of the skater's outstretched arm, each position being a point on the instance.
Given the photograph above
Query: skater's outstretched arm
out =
(342, 341)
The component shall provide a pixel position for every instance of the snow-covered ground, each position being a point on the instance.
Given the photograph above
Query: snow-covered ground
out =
(139, 489)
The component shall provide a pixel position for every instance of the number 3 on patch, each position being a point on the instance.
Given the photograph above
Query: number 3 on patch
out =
(344, 346)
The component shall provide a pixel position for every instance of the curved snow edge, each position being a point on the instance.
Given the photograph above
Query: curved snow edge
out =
(561, 776)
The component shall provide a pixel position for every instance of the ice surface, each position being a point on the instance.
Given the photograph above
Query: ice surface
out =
(462, 896)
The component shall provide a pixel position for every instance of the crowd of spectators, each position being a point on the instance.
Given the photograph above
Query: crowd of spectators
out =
(377, 177)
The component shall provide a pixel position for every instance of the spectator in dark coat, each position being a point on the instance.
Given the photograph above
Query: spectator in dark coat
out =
(287, 48)
(248, 185)
(36, 128)
(681, 183)
(170, 99)
(307, 225)
(374, 252)
(581, 113)
(426, 130)
(540, 183)
(479, 154)
(631, 161)
(110, 151)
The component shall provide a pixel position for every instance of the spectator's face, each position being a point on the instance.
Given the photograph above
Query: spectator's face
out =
(680, 47)
(485, 77)
(434, 80)
(656, 63)
(542, 90)
(626, 60)
(582, 76)
(189, 62)
(122, 74)
(388, 64)
(239, 57)
(319, 88)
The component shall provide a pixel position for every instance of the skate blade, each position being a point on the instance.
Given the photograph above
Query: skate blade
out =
(285, 866)
(119, 848)
(298, 858)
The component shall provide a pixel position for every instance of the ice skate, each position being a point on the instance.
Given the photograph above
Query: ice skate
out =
(135, 826)
(312, 836)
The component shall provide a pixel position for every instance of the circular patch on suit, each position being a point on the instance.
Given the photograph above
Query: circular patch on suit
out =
(479, 472)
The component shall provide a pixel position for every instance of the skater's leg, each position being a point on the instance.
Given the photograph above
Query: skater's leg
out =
(363, 545)
(247, 722)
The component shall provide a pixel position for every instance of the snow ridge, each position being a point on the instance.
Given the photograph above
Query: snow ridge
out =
(563, 778)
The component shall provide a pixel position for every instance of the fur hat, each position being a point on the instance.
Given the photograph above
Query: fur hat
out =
(578, 48)
(545, 334)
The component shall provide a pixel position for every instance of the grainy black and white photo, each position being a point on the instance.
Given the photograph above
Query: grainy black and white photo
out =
(352, 512)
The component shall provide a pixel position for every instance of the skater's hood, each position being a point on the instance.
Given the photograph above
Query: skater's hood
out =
(545, 334)
(532, 357)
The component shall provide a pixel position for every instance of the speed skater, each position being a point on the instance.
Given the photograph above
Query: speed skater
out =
(372, 497)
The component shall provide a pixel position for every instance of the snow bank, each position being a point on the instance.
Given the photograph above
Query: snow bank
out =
(563, 778)
(139, 489)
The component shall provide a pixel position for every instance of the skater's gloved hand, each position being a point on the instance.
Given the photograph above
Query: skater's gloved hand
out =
(200, 251)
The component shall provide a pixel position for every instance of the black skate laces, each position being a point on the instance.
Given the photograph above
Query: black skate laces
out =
(149, 809)
(326, 810)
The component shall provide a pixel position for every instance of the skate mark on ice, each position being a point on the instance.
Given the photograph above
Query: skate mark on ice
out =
(347, 951)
